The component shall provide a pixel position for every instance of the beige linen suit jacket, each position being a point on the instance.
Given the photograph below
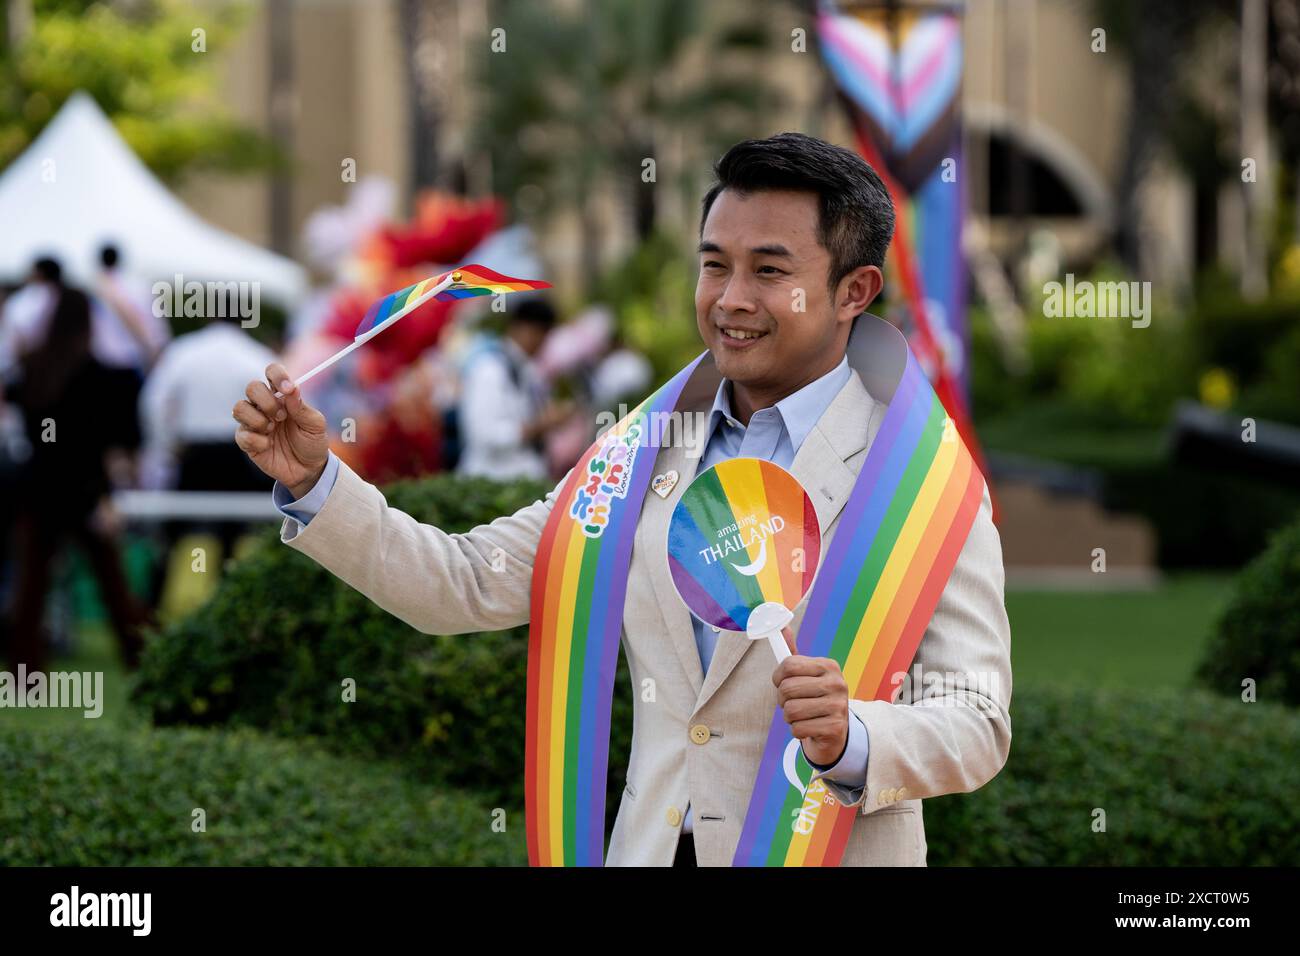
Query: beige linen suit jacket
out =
(701, 739)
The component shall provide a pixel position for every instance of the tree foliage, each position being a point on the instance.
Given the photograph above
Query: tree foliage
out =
(146, 67)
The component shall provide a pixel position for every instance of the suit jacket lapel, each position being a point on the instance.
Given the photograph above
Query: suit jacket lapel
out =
(682, 454)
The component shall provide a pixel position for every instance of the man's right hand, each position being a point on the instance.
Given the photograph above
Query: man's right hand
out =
(285, 437)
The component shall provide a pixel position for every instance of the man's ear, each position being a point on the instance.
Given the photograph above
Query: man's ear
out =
(857, 291)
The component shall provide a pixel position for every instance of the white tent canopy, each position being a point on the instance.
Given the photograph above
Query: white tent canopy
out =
(79, 185)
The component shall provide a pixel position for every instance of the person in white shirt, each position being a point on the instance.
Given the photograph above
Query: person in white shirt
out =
(185, 402)
(504, 413)
(623, 375)
(27, 312)
(127, 333)
(126, 338)
(185, 414)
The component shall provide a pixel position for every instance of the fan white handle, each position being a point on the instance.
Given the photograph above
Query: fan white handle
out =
(765, 623)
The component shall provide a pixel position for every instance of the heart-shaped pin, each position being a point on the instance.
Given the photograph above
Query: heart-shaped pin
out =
(663, 484)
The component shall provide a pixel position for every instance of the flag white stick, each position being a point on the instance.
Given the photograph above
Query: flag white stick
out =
(367, 336)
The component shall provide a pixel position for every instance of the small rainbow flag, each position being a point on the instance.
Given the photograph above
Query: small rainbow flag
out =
(466, 282)
(461, 283)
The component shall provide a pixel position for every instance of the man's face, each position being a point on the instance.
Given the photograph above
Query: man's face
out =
(762, 302)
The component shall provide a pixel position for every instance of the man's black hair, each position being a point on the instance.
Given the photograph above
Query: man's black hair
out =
(49, 269)
(856, 213)
(108, 255)
(536, 311)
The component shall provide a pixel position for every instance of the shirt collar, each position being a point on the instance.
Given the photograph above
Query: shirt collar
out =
(799, 411)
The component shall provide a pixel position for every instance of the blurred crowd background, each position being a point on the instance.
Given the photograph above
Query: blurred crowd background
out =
(189, 190)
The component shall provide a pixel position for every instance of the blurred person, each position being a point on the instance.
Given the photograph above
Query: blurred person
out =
(587, 355)
(61, 487)
(403, 438)
(13, 449)
(185, 412)
(13, 434)
(623, 375)
(127, 333)
(26, 313)
(126, 338)
(25, 318)
(504, 414)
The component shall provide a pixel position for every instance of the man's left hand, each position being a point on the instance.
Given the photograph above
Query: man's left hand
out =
(814, 698)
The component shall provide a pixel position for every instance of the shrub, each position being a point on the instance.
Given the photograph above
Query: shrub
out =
(1130, 376)
(1185, 779)
(1188, 506)
(90, 795)
(271, 649)
(1258, 636)
(1231, 333)
(1276, 395)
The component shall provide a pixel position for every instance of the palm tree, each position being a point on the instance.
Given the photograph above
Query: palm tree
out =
(586, 91)
(1159, 38)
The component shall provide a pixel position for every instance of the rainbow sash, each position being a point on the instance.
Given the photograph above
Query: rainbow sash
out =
(898, 538)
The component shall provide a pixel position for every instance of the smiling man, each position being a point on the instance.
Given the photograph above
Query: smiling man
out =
(792, 239)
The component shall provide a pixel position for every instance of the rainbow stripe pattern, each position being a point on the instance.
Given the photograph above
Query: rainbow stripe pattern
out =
(742, 534)
(898, 538)
(897, 541)
(576, 619)
(467, 282)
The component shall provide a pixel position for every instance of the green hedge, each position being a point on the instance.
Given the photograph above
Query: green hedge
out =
(271, 649)
(1121, 377)
(1258, 636)
(1256, 343)
(92, 795)
(1185, 779)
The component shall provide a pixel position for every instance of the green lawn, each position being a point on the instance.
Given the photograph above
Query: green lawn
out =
(1122, 639)
(1049, 432)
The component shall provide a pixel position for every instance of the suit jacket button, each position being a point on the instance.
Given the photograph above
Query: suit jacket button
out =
(674, 817)
(700, 734)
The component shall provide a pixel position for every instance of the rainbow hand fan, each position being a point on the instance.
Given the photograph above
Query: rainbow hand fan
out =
(743, 548)
(462, 283)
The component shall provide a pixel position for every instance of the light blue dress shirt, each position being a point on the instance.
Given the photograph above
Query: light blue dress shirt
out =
(774, 434)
